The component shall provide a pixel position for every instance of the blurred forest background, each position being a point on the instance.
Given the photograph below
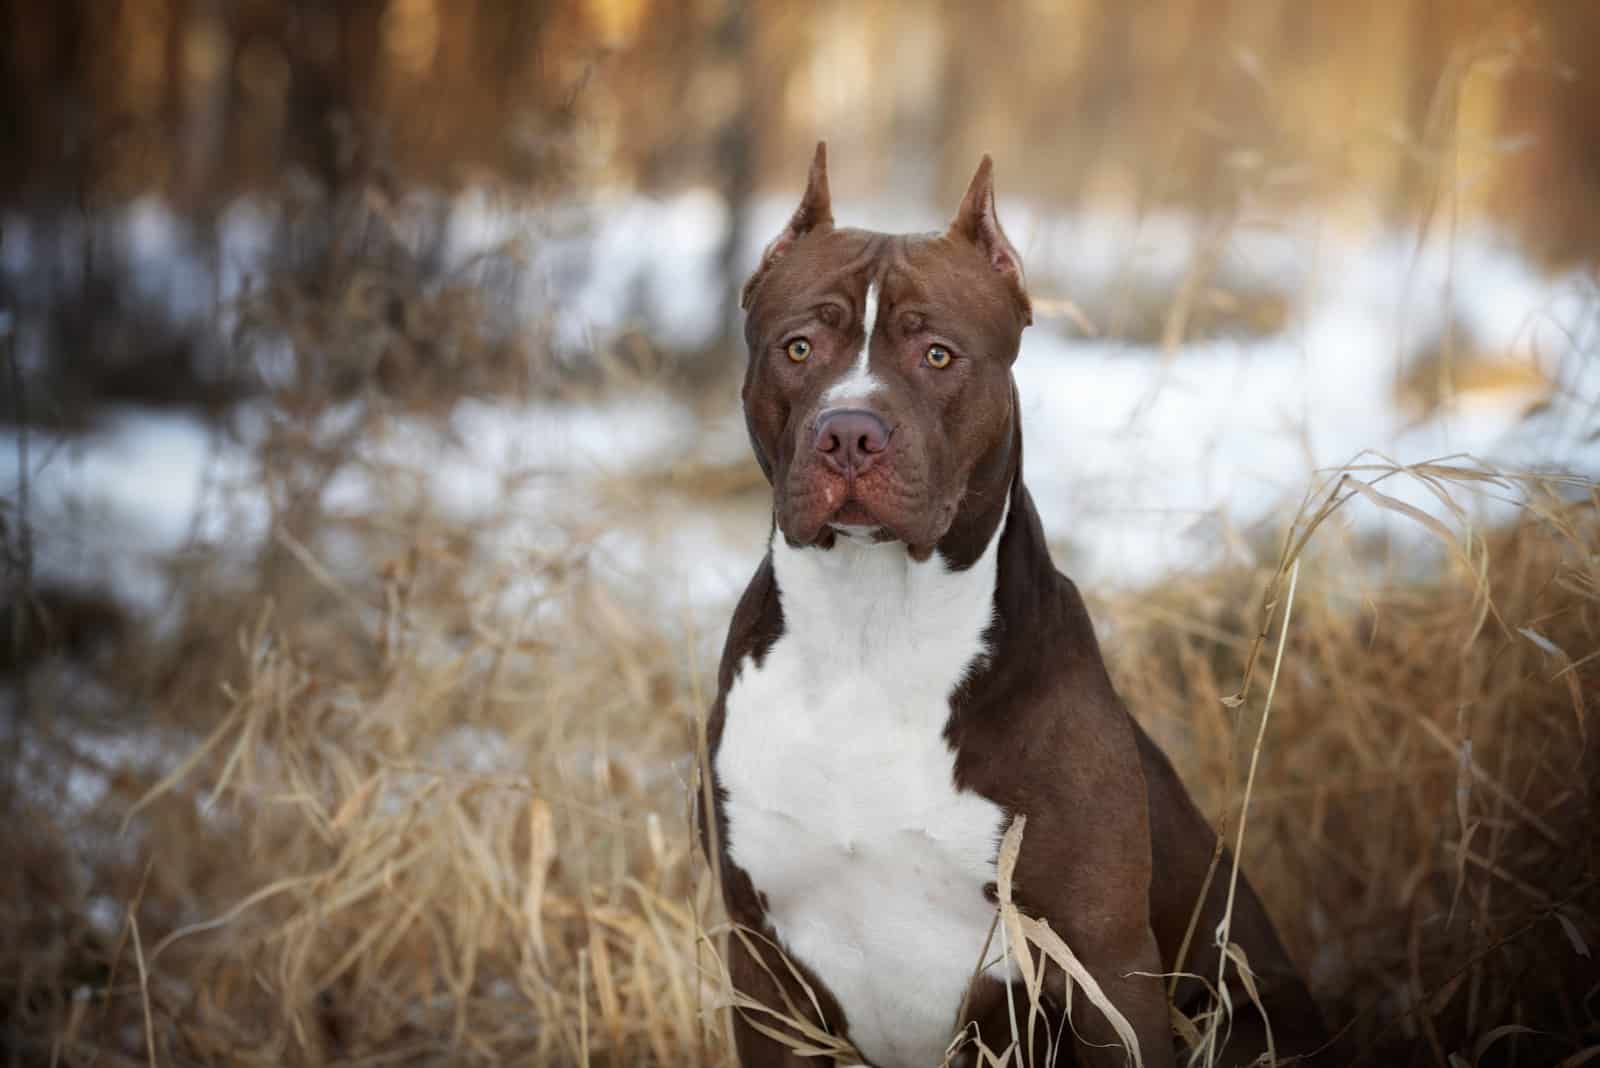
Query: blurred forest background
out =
(1379, 113)
(373, 492)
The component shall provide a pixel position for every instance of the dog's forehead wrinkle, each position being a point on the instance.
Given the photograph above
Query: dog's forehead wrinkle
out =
(858, 384)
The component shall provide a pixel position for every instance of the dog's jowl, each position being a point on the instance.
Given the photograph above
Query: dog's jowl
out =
(907, 672)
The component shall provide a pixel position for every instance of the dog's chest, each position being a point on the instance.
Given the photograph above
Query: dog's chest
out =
(841, 803)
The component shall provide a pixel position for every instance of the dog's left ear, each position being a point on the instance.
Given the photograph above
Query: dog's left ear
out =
(814, 213)
(977, 222)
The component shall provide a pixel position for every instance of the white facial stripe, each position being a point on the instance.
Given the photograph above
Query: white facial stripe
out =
(869, 323)
(859, 384)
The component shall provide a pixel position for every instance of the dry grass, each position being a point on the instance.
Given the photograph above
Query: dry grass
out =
(383, 812)
(1422, 824)
(386, 820)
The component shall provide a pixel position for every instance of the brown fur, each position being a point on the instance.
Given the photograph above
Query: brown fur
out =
(1115, 852)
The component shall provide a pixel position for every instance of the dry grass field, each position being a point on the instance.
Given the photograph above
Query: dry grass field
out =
(396, 786)
(427, 823)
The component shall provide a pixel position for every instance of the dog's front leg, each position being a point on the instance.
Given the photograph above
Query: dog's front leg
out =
(1085, 869)
(761, 984)
(1099, 906)
(1122, 957)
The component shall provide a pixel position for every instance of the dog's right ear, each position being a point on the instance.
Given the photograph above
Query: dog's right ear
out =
(814, 213)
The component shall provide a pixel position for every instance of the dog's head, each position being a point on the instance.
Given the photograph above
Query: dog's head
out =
(879, 394)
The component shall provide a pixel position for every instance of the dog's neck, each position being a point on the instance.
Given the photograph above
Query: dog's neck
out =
(872, 606)
(993, 492)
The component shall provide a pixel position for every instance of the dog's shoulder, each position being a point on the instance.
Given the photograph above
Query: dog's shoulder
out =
(756, 624)
(1041, 726)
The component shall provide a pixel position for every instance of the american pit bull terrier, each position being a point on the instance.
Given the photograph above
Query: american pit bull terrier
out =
(908, 672)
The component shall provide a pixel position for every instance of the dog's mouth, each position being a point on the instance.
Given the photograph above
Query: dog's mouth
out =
(855, 522)
(861, 510)
(854, 517)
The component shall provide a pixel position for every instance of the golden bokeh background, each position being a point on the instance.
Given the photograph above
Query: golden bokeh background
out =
(1383, 107)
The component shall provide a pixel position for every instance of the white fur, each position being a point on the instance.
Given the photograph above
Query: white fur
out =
(859, 383)
(840, 791)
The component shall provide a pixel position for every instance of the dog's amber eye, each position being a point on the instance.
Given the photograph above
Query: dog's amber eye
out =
(938, 356)
(799, 349)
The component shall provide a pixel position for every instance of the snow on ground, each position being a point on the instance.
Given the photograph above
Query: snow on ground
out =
(1136, 457)
(1125, 453)
(109, 508)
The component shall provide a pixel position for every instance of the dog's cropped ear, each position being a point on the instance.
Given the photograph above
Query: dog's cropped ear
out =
(814, 213)
(977, 222)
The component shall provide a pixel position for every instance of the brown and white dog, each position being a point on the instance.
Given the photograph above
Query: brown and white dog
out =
(907, 672)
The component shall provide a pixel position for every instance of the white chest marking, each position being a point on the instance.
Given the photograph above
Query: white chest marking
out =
(859, 383)
(840, 792)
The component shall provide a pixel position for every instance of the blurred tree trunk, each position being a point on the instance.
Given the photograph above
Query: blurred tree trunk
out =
(202, 81)
(334, 57)
(737, 151)
(41, 126)
(1427, 111)
(1554, 105)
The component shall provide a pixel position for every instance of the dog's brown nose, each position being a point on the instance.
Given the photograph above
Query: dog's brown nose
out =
(851, 439)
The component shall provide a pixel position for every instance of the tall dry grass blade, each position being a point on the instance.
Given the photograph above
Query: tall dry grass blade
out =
(1013, 944)
(240, 908)
(675, 965)
(702, 805)
(1028, 931)
(1567, 672)
(1039, 933)
(791, 1015)
(314, 567)
(583, 1007)
(606, 991)
(184, 768)
(144, 990)
(1495, 1034)
(1451, 544)
(797, 1032)
(977, 971)
(1011, 998)
(541, 854)
(654, 1023)
(1194, 918)
(1436, 733)
(1247, 976)
(1225, 924)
